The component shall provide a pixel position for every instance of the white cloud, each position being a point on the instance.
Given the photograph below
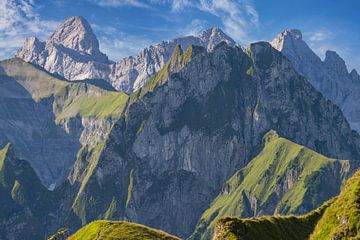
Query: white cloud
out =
(193, 28)
(121, 3)
(117, 44)
(319, 35)
(19, 19)
(323, 40)
(238, 17)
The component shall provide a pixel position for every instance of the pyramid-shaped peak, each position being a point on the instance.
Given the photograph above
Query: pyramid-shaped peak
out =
(291, 33)
(213, 36)
(334, 62)
(76, 33)
(294, 33)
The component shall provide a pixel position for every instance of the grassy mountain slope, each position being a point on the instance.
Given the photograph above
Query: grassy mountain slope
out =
(336, 219)
(284, 178)
(118, 230)
(342, 219)
(274, 227)
(71, 98)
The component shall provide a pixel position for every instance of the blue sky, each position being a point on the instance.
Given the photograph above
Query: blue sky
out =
(124, 27)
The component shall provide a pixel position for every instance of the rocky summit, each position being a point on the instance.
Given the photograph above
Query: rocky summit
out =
(186, 137)
(330, 76)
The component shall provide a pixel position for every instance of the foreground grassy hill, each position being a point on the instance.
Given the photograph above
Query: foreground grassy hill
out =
(342, 219)
(101, 230)
(338, 218)
(284, 178)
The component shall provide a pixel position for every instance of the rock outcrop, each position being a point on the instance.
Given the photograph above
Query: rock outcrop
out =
(330, 76)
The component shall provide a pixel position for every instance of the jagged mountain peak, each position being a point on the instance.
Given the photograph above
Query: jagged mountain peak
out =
(293, 33)
(334, 62)
(76, 33)
(213, 36)
(290, 38)
(355, 75)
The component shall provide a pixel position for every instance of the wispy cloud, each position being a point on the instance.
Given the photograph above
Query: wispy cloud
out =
(323, 40)
(20, 19)
(238, 17)
(320, 35)
(117, 44)
(193, 28)
(121, 3)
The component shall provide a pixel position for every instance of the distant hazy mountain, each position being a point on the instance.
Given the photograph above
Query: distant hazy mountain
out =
(330, 76)
(72, 51)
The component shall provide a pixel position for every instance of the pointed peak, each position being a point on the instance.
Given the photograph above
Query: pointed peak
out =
(334, 62)
(212, 36)
(283, 39)
(76, 33)
(331, 55)
(355, 75)
(294, 33)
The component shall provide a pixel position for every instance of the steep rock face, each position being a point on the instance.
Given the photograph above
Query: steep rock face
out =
(284, 178)
(176, 144)
(72, 51)
(49, 120)
(24, 201)
(330, 76)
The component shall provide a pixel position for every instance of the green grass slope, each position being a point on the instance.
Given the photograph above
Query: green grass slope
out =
(270, 228)
(71, 99)
(284, 178)
(342, 219)
(102, 230)
(338, 218)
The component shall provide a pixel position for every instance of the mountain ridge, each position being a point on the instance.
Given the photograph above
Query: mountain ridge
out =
(330, 76)
(72, 51)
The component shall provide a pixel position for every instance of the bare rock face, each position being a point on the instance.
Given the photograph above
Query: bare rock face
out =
(174, 147)
(72, 51)
(330, 76)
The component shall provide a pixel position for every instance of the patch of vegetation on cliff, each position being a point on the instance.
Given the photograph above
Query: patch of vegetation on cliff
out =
(3, 153)
(102, 230)
(107, 104)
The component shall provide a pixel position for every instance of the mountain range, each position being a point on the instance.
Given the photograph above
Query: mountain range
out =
(187, 132)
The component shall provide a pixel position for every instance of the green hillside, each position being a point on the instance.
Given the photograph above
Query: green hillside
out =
(101, 230)
(71, 99)
(338, 218)
(342, 219)
(270, 228)
(284, 178)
